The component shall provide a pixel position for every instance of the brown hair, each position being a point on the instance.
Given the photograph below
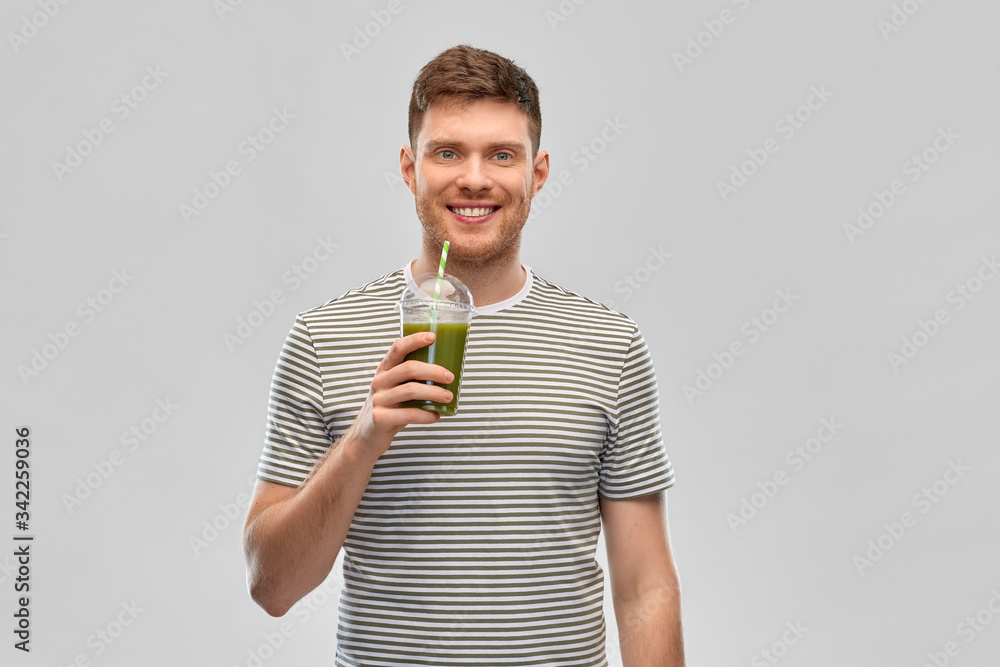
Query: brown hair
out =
(466, 74)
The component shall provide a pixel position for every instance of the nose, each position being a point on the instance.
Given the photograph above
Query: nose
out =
(474, 176)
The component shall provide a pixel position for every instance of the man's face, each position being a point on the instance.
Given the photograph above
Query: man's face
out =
(473, 177)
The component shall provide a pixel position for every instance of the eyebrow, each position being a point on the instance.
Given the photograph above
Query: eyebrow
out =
(436, 144)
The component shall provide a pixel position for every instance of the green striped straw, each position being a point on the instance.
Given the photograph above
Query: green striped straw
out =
(437, 296)
(444, 258)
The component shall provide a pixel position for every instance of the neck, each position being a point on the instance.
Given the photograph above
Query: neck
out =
(489, 281)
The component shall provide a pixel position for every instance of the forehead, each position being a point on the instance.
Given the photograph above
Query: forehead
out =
(478, 122)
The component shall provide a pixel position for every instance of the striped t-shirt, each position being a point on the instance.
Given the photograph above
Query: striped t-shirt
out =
(474, 542)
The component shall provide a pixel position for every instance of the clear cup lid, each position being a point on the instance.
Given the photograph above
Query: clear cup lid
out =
(452, 291)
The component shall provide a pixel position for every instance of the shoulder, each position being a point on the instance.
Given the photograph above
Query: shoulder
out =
(566, 304)
(373, 298)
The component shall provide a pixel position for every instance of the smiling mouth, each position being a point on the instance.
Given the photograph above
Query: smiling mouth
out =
(477, 212)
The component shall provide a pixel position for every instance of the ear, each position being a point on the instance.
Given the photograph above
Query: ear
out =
(408, 168)
(541, 171)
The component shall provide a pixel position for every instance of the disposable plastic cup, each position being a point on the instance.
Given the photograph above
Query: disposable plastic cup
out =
(449, 318)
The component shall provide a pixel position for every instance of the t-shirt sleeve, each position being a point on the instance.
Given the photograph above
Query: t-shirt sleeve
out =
(296, 435)
(634, 462)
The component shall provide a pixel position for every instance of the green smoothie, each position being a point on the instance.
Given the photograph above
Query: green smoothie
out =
(449, 351)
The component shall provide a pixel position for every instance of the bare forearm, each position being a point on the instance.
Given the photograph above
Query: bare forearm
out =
(649, 628)
(292, 536)
(292, 545)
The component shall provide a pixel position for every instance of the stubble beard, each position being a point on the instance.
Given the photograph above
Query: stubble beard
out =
(495, 251)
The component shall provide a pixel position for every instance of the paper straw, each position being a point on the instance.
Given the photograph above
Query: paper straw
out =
(444, 258)
(437, 296)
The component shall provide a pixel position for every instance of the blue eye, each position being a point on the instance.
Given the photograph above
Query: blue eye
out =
(447, 155)
(504, 157)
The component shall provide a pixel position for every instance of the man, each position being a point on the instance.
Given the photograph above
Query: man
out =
(470, 539)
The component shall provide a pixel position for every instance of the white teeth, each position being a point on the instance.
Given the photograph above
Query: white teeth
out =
(473, 212)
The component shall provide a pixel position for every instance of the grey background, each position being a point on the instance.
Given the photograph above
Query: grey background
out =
(332, 174)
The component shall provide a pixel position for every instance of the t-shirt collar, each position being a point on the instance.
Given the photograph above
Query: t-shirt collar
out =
(493, 307)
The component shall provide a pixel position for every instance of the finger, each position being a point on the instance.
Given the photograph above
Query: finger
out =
(411, 391)
(403, 346)
(411, 371)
